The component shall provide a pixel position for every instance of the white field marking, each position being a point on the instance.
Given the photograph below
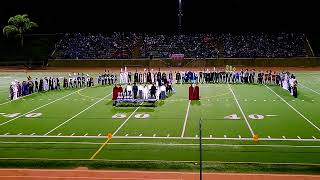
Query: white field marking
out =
(310, 89)
(49, 99)
(160, 144)
(293, 100)
(168, 135)
(72, 134)
(312, 100)
(126, 134)
(274, 100)
(245, 100)
(86, 134)
(115, 132)
(239, 137)
(255, 100)
(32, 134)
(154, 135)
(269, 137)
(302, 100)
(314, 137)
(40, 99)
(225, 136)
(271, 115)
(264, 100)
(283, 137)
(99, 134)
(2, 113)
(244, 116)
(140, 135)
(294, 109)
(151, 137)
(185, 119)
(39, 107)
(210, 136)
(77, 114)
(59, 134)
(6, 133)
(197, 136)
(19, 134)
(298, 137)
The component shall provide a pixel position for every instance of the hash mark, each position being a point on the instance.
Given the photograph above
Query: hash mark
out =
(72, 134)
(126, 134)
(274, 100)
(239, 137)
(86, 134)
(225, 136)
(154, 135)
(314, 137)
(168, 135)
(32, 134)
(210, 136)
(19, 134)
(99, 134)
(269, 137)
(59, 134)
(298, 137)
(140, 134)
(283, 137)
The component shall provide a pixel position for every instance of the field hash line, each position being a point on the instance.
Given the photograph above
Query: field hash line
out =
(244, 116)
(39, 107)
(293, 108)
(185, 119)
(77, 115)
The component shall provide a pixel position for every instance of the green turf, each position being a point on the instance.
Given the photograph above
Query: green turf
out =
(89, 111)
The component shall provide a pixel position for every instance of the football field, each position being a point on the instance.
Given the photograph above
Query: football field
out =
(73, 124)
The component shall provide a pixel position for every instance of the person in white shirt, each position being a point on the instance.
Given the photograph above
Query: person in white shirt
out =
(145, 92)
(162, 92)
(129, 90)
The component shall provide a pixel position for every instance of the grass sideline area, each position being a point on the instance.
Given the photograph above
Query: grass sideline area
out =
(70, 126)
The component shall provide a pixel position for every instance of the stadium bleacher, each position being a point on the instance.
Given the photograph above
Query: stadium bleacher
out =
(231, 45)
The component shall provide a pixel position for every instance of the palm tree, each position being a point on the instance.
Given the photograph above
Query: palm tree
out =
(18, 25)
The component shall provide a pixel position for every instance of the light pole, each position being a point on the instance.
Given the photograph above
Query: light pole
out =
(180, 16)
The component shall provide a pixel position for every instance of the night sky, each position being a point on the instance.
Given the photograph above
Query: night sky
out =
(161, 15)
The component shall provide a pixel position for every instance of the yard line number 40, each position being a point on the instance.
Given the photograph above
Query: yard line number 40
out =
(29, 115)
(251, 116)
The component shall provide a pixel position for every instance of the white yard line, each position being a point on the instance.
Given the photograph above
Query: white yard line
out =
(39, 107)
(185, 119)
(77, 114)
(160, 144)
(309, 89)
(115, 132)
(294, 109)
(244, 116)
(161, 137)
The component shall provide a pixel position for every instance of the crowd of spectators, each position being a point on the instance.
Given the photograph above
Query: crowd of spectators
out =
(122, 45)
(269, 45)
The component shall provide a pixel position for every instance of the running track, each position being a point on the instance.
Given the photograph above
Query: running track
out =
(79, 174)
